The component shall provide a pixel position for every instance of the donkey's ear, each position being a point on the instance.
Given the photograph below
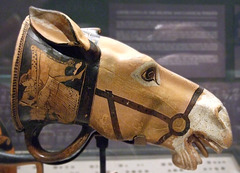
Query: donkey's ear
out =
(57, 27)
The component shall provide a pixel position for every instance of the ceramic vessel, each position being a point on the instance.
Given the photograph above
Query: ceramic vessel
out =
(66, 74)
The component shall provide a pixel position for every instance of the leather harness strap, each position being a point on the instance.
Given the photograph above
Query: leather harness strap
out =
(114, 98)
(133, 105)
(113, 113)
(193, 101)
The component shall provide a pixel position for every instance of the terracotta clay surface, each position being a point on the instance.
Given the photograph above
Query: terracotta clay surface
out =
(65, 74)
(120, 71)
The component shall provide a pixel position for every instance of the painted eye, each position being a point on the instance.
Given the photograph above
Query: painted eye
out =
(149, 74)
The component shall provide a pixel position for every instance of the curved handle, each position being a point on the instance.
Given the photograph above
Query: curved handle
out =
(59, 157)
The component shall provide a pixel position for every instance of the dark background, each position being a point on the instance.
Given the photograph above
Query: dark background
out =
(95, 13)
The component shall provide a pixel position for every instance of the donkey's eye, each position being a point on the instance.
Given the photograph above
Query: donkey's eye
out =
(149, 74)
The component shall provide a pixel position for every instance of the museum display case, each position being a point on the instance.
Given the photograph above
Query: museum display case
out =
(197, 40)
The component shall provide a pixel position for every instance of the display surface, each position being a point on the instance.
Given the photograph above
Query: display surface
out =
(55, 70)
(188, 39)
(220, 163)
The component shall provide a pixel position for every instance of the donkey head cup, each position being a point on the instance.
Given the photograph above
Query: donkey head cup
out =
(66, 74)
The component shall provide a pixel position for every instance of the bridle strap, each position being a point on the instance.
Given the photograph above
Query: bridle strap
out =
(133, 105)
(113, 113)
(120, 100)
(193, 100)
(171, 132)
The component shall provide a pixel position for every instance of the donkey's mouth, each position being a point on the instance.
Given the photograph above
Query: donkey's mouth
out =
(187, 156)
(200, 141)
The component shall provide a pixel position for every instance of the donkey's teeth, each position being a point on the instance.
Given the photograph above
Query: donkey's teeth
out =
(208, 142)
(215, 147)
(195, 140)
(201, 148)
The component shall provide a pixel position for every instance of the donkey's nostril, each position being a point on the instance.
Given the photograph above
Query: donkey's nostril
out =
(223, 117)
(219, 109)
